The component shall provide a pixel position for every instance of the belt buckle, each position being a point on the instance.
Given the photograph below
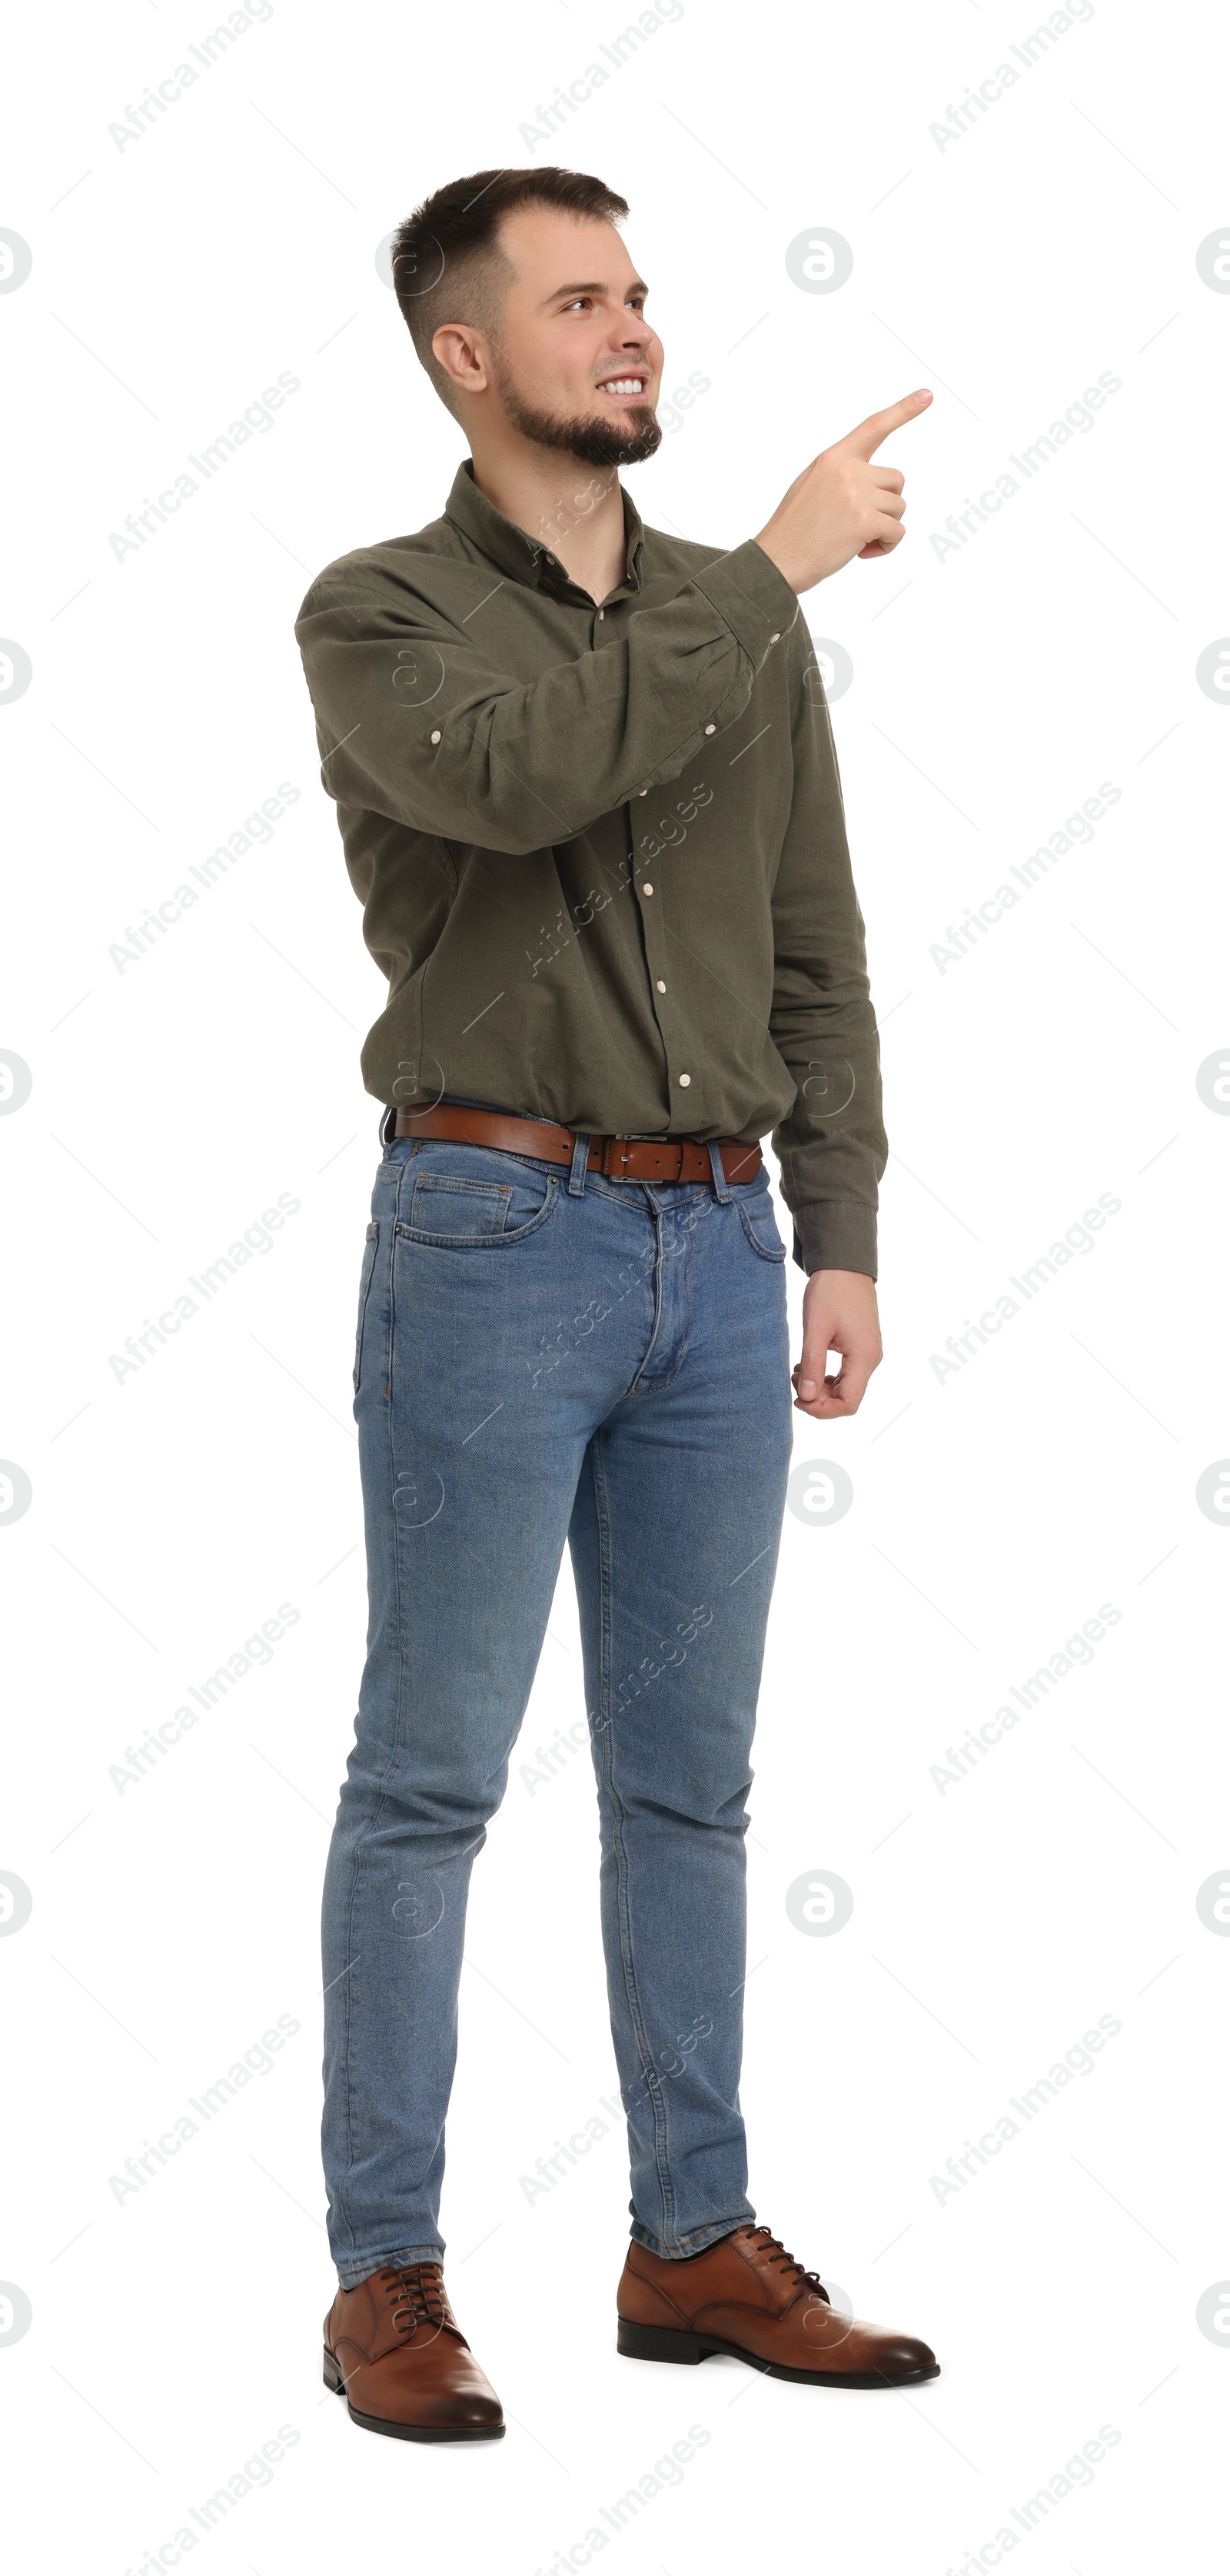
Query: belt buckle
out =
(616, 1156)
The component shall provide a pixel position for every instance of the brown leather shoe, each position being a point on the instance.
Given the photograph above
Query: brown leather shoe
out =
(394, 2350)
(747, 2296)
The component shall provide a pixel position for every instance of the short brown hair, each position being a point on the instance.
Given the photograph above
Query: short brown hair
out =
(447, 262)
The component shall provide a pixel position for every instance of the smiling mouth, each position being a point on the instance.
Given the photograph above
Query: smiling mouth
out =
(630, 388)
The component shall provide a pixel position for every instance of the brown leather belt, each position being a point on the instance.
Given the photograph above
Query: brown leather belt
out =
(621, 1158)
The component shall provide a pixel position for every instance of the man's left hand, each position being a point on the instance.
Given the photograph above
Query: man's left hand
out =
(839, 1314)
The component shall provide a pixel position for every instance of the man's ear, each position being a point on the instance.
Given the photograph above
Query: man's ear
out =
(462, 353)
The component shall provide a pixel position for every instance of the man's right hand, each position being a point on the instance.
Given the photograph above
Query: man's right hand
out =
(841, 505)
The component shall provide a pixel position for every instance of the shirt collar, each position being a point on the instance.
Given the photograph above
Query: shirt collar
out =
(522, 557)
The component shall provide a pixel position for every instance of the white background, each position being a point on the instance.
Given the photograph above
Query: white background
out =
(994, 1510)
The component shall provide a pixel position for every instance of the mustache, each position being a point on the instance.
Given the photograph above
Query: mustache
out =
(510, 367)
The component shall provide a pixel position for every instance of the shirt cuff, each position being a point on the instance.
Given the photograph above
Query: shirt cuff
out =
(835, 1234)
(755, 599)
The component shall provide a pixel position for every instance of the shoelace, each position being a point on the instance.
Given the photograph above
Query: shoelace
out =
(775, 2252)
(415, 2292)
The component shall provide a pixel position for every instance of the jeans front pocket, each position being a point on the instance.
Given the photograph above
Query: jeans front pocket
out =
(444, 1203)
(760, 1226)
(473, 1199)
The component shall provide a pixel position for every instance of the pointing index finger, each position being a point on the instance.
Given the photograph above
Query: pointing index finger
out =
(871, 433)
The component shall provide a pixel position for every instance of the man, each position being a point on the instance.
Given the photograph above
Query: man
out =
(588, 798)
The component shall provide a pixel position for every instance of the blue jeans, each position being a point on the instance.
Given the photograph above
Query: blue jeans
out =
(545, 1356)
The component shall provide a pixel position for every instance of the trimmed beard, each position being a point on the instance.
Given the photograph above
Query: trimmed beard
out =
(592, 442)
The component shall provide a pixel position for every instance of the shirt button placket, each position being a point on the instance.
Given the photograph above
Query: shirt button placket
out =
(653, 927)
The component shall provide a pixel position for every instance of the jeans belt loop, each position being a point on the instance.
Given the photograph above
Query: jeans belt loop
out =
(720, 1183)
(580, 1168)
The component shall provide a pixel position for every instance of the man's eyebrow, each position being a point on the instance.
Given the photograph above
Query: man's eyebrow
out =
(595, 286)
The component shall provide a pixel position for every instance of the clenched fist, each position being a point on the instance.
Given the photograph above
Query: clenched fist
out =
(841, 505)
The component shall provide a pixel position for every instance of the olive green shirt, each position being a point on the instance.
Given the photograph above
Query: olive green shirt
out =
(601, 851)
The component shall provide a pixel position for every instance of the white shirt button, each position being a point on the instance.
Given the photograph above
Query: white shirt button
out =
(775, 639)
(646, 889)
(435, 737)
(642, 791)
(711, 728)
(684, 1081)
(661, 985)
(602, 613)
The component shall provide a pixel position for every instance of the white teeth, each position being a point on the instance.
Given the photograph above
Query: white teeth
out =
(624, 385)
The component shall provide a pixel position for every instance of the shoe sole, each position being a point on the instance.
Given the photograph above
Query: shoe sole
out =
(406, 2432)
(664, 2343)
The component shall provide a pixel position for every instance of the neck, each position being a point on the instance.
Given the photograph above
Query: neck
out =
(573, 509)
